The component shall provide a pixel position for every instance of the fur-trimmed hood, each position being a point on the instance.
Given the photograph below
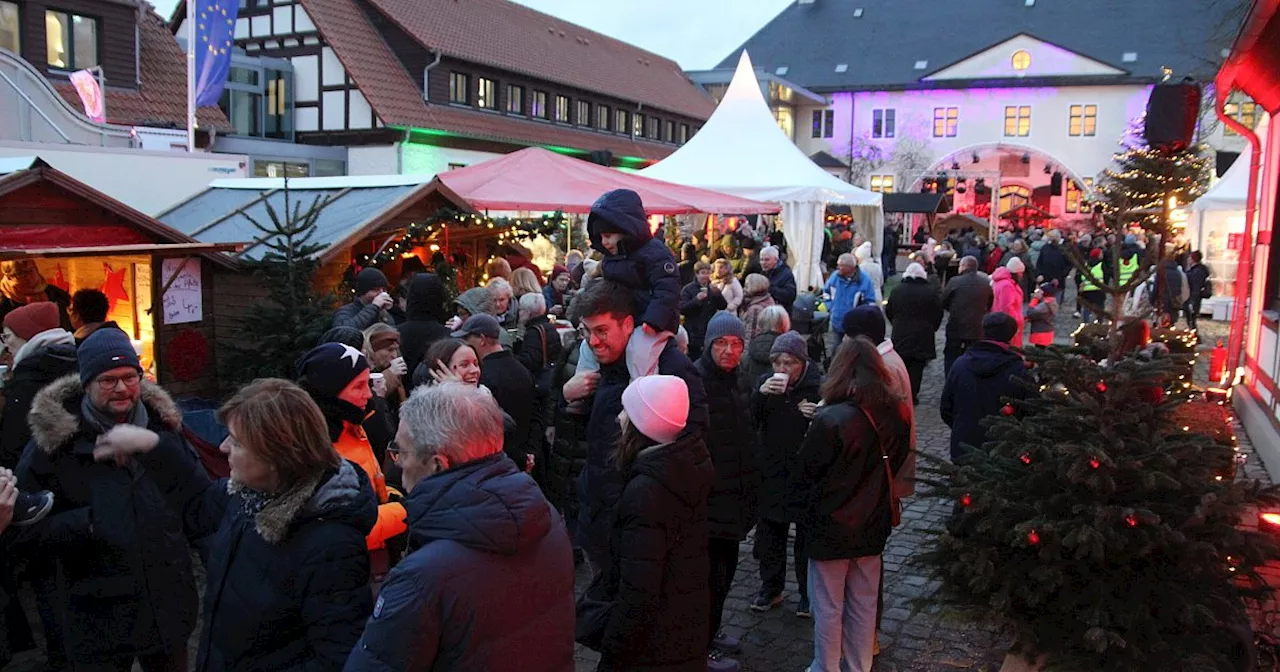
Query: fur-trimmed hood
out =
(55, 413)
(346, 497)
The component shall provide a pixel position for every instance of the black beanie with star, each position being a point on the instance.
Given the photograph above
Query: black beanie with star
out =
(328, 368)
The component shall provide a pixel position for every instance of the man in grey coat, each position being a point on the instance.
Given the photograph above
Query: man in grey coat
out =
(967, 299)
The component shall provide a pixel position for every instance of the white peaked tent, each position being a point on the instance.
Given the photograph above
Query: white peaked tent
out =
(742, 151)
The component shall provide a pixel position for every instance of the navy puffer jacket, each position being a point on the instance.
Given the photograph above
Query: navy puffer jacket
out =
(643, 264)
(731, 508)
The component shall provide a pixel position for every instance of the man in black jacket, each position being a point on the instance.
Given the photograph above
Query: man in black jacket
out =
(988, 374)
(1053, 264)
(506, 378)
(370, 305)
(782, 282)
(699, 301)
(1197, 280)
(605, 310)
(966, 299)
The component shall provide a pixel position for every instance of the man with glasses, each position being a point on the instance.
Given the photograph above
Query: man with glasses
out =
(125, 562)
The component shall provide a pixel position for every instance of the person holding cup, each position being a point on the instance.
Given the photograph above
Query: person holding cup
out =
(382, 348)
(782, 404)
(370, 305)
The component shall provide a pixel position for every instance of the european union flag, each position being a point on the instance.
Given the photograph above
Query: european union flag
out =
(215, 33)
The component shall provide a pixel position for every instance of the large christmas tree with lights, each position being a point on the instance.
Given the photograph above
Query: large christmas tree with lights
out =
(1143, 179)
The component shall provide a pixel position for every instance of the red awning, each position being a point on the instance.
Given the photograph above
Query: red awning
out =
(540, 180)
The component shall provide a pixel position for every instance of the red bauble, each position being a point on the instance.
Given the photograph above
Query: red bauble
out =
(1131, 520)
(1101, 386)
(1007, 409)
(1094, 463)
(1033, 538)
(966, 500)
(1026, 458)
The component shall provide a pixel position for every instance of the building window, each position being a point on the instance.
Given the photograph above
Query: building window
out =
(620, 121)
(10, 36)
(946, 120)
(1017, 121)
(459, 88)
(1245, 112)
(669, 132)
(540, 104)
(562, 109)
(1076, 202)
(258, 101)
(684, 133)
(785, 117)
(824, 122)
(584, 113)
(515, 99)
(884, 123)
(602, 117)
(71, 40)
(1021, 60)
(882, 184)
(654, 126)
(1084, 121)
(637, 124)
(487, 94)
(271, 168)
(1012, 196)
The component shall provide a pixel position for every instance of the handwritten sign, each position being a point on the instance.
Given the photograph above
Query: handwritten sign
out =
(184, 300)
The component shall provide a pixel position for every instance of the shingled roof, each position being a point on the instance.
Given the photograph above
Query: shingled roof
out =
(397, 100)
(161, 96)
(880, 42)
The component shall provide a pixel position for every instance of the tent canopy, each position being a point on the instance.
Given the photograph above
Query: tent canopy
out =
(541, 180)
(1231, 192)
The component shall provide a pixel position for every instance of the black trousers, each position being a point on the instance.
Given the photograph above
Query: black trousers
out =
(724, 566)
(954, 348)
(1191, 310)
(915, 371)
(771, 551)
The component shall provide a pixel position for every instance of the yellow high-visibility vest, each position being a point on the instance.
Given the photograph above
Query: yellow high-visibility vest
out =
(1089, 281)
(1127, 269)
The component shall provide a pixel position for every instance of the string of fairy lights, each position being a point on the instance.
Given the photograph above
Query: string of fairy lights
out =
(421, 232)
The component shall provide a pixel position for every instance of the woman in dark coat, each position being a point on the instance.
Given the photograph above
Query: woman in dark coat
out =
(846, 501)
(915, 311)
(288, 572)
(772, 322)
(780, 414)
(425, 315)
(657, 581)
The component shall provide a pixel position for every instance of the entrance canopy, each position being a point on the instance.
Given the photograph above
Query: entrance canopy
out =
(741, 151)
(537, 179)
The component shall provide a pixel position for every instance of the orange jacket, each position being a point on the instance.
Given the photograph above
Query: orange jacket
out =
(353, 445)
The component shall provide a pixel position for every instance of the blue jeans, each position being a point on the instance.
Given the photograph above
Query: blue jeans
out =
(844, 595)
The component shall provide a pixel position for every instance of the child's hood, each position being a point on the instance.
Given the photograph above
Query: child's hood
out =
(619, 211)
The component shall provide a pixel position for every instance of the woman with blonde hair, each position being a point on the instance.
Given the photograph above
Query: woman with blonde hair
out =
(722, 278)
(523, 281)
(756, 298)
(288, 573)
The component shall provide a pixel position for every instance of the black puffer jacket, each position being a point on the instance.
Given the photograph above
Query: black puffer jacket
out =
(841, 480)
(698, 312)
(660, 569)
(288, 587)
(781, 428)
(731, 508)
(643, 264)
(915, 310)
(124, 558)
(426, 315)
(29, 376)
(568, 454)
(756, 360)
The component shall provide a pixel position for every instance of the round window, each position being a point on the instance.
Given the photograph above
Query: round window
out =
(1021, 59)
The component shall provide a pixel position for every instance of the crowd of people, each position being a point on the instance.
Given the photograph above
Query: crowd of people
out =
(419, 494)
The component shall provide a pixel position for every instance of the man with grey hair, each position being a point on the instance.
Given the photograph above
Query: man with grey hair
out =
(488, 584)
(967, 299)
(782, 282)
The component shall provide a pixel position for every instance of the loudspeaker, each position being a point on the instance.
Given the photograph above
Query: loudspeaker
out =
(1055, 184)
(603, 157)
(1172, 111)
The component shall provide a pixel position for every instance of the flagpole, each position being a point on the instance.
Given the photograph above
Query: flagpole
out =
(191, 76)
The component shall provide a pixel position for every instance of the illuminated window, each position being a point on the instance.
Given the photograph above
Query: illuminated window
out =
(562, 109)
(783, 114)
(1012, 196)
(487, 94)
(10, 36)
(882, 184)
(684, 133)
(459, 88)
(515, 99)
(71, 40)
(1245, 112)
(945, 121)
(1017, 121)
(637, 125)
(1076, 202)
(669, 131)
(1083, 121)
(620, 121)
(1021, 60)
(884, 123)
(602, 117)
(654, 126)
(584, 113)
(540, 104)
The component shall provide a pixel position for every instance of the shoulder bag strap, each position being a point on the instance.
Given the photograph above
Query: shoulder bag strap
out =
(895, 502)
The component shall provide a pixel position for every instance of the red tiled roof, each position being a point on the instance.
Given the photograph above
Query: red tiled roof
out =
(162, 95)
(396, 99)
(515, 38)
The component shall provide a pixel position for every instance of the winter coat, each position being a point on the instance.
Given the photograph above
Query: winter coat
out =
(732, 292)
(698, 312)
(473, 301)
(1054, 265)
(512, 388)
(288, 587)
(1173, 291)
(915, 311)
(871, 270)
(756, 361)
(425, 314)
(1040, 314)
(360, 315)
(353, 446)
(782, 285)
(487, 586)
(1007, 299)
(539, 349)
(977, 387)
(841, 482)
(30, 375)
(781, 428)
(643, 263)
(552, 297)
(125, 563)
(967, 299)
(900, 386)
(750, 311)
(569, 449)
(731, 508)
(1197, 278)
(847, 294)
(659, 571)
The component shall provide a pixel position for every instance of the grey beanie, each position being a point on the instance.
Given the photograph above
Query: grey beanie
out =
(791, 343)
(724, 323)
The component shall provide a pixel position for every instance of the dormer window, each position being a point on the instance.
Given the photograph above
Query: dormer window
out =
(1021, 60)
(1129, 56)
(71, 41)
(782, 70)
(10, 36)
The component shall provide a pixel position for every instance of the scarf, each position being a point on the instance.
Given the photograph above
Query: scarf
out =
(335, 412)
(102, 422)
(252, 502)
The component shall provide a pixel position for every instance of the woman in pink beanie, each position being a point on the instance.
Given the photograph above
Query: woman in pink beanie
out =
(655, 588)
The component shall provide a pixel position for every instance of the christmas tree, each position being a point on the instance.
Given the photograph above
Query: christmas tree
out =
(275, 332)
(1105, 533)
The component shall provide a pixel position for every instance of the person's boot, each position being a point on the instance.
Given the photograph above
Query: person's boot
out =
(32, 508)
(802, 609)
(726, 643)
(718, 662)
(764, 601)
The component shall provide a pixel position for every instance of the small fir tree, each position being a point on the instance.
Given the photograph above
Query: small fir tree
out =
(274, 333)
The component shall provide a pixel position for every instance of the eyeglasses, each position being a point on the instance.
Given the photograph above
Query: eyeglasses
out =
(393, 449)
(108, 383)
(600, 333)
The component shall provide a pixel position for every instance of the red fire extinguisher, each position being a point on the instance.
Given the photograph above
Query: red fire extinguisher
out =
(1218, 363)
